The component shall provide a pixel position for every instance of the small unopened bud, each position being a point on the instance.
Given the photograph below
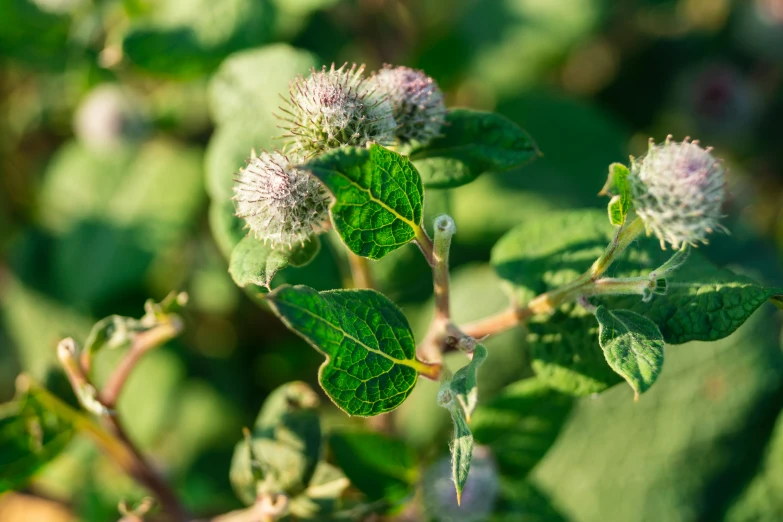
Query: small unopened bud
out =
(677, 190)
(416, 100)
(280, 203)
(479, 495)
(334, 108)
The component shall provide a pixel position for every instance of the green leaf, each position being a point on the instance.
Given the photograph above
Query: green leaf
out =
(461, 452)
(464, 385)
(321, 497)
(253, 262)
(521, 424)
(378, 198)
(31, 436)
(618, 187)
(472, 143)
(633, 346)
(702, 302)
(565, 353)
(285, 442)
(459, 395)
(379, 466)
(370, 365)
(188, 39)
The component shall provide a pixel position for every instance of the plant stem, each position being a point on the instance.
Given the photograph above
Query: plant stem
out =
(425, 245)
(587, 284)
(437, 255)
(624, 236)
(444, 231)
(116, 446)
(360, 271)
(141, 344)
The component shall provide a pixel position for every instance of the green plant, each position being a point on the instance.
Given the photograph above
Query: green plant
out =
(356, 159)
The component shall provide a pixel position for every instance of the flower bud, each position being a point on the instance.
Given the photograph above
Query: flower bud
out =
(280, 203)
(677, 190)
(335, 108)
(479, 495)
(416, 100)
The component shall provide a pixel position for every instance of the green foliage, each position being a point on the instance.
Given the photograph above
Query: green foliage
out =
(370, 363)
(378, 197)
(253, 262)
(632, 345)
(284, 447)
(379, 466)
(520, 424)
(618, 187)
(31, 435)
(702, 302)
(459, 395)
(472, 143)
(183, 39)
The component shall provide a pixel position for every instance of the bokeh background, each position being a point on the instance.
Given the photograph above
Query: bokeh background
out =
(111, 139)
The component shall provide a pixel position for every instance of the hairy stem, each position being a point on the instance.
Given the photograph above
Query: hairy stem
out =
(444, 231)
(588, 284)
(141, 344)
(624, 236)
(115, 445)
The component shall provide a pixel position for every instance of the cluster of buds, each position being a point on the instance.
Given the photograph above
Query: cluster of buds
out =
(329, 109)
(678, 190)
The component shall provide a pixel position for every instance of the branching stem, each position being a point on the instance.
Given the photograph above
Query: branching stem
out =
(588, 284)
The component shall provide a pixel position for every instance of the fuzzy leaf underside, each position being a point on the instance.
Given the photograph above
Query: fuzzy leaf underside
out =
(521, 424)
(254, 263)
(472, 143)
(370, 365)
(632, 345)
(378, 197)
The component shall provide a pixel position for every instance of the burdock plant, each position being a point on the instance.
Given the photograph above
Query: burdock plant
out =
(356, 160)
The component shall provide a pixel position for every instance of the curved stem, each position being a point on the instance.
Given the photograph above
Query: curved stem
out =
(142, 343)
(587, 284)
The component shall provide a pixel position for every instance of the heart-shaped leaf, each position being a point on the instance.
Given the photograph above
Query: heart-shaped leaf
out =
(378, 198)
(370, 365)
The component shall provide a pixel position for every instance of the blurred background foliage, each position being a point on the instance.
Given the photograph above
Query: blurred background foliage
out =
(120, 118)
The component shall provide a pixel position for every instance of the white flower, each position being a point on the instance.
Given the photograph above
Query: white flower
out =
(334, 108)
(677, 190)
(280, 204)
(416, 100)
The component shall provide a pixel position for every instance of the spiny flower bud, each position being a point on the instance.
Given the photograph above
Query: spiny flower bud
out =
(416, 100)
(335, 108)
(677, 190)
(280, 203)
(479, 495)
